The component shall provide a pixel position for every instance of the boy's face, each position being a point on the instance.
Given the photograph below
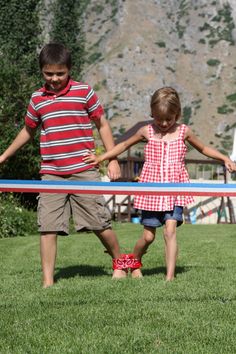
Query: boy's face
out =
(56, 76)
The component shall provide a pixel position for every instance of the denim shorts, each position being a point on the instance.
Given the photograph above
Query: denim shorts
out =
(158, 218)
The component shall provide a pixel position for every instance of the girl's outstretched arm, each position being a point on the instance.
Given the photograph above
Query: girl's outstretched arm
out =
(118, 149)
(208, 151)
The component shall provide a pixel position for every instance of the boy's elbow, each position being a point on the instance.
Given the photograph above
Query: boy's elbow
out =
(30, 131)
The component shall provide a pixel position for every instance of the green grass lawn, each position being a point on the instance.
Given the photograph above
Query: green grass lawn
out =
(86, 312)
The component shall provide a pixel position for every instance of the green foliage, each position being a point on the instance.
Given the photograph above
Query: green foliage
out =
(114, 8)
(19, 77)
(223, 30)
(229, 107)
(182, 12)
(187, 113)
(15, 220)
(224, 109)
(171, 69)
(19, 31)
(196, 104)
(67, 29)
(122, 129)
(98, 9)
(232, 97)
(25, 164)
(161, 44)
(180, 29)
(17, 88)
(99, 85)
(202, 41)
(213, 62)
(103, 165)
(227, 143)
(99, 150)
(94, 57)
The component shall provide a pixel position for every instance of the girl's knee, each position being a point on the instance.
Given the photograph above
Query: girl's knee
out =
(169, 231)
(169, 234)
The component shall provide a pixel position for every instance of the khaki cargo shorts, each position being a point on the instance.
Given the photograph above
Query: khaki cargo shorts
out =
(87, 210)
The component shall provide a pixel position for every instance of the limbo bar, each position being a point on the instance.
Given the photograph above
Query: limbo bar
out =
(127, 188)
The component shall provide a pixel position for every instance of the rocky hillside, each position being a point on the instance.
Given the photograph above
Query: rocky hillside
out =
(137, 46)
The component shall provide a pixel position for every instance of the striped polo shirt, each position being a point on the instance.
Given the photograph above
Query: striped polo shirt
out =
(66, 126)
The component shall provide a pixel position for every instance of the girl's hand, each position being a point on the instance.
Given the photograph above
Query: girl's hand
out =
(230, 165)
(113, 170)
(91, 159)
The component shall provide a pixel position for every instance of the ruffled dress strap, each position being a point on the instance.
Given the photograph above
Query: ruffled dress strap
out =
(183, 128)
(150, 131)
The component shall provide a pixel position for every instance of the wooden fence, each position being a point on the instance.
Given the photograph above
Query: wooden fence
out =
(131, 167)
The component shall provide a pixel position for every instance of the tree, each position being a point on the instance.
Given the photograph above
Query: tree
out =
(19, 77)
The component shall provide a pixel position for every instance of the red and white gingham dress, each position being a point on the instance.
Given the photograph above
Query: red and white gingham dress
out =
(164, 163)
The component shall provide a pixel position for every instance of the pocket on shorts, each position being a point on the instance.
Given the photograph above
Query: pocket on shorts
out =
(90, 212)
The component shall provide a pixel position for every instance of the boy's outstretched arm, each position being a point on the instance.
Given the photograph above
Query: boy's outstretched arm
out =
(208, 151)
(24, 136)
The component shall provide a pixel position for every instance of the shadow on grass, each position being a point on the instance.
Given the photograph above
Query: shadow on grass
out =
(162, 270)
(92, 271)
(80, 270)
(178, 270)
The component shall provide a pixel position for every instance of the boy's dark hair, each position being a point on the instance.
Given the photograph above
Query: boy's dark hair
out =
(55, 54)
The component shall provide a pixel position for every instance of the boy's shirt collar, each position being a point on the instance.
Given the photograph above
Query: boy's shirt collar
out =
(47, 91)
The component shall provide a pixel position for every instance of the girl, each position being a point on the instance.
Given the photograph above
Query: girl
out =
(164, 162)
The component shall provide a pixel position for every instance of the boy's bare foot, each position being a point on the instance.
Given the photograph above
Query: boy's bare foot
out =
(119, 274)
(47, 282)
(47, 285)
(170, 278)
(136, 273)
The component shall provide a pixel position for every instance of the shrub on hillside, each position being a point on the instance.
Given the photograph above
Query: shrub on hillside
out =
(15, 220)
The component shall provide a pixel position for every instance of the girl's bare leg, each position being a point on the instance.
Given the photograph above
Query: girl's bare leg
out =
(141, 247)
(48, 252)
(171, 248)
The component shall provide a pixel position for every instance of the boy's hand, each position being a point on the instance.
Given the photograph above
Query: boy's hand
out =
(2, 159)
(91, 158)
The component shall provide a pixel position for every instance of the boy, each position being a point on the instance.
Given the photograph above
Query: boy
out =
(64, 109)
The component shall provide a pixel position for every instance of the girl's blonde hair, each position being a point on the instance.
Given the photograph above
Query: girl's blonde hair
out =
(165, 101)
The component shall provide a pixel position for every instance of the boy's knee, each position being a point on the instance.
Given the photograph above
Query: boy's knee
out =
(149, 237)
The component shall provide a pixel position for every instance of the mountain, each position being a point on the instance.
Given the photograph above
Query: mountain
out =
(137, 46)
